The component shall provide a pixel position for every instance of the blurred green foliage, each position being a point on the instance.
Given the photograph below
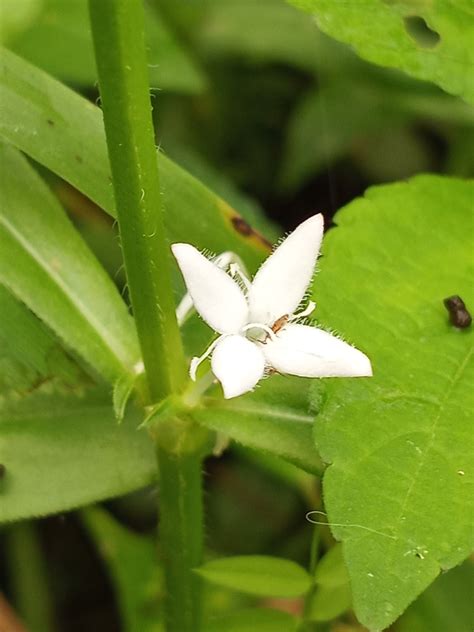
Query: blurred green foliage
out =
(279, 120)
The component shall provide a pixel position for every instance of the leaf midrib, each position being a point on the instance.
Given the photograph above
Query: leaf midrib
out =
(429, 444)
(84, 313)
(270, 412)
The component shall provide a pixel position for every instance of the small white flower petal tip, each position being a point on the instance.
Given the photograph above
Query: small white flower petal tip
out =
(259, 322)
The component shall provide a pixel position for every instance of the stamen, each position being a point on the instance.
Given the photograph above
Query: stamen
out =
(196, 361)
(235, 270)
(306, 312)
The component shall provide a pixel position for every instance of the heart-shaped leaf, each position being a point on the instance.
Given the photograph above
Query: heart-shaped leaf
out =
(400, 443)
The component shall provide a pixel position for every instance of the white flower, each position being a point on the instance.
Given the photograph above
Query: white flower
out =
(257, 326)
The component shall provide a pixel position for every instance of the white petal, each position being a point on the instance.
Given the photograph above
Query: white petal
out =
(311, 352)
(238, 364)
(217, 297)
(280, 284)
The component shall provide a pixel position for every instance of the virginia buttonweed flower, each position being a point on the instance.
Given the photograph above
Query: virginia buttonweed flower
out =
(259, 327)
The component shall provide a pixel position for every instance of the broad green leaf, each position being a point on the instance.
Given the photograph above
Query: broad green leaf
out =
(59, 41)
(331, 570)
(329, 602)
(332, 594)
(65, 451)
(131, 560)
(64, 132)
(257, 575)
(45, 263)
(428, 40)
(252, 619)
(276, 419)
(30, 355)
(400, 445)
(446, 605)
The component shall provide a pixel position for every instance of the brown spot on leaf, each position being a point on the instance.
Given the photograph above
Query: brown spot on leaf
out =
(241, 226)
(79, 159)
(244, 229)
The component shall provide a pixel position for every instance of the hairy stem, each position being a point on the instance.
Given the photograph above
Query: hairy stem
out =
(117, 28)
(181, 528)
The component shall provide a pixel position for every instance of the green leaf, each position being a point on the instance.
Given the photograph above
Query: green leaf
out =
(332, 594)
(132, 564)
(30, 356)
(257, 575)
(64, 132)
(399, 444)
(429, 40)
(123, 389)
(276, 419)
(331, 570)
(45, 263)
(252, 619)
(62, 452)
(446, 605)
(59, 41)
(329, 602)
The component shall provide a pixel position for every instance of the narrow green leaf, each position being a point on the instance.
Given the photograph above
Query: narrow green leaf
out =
(131, 560)
(30, 355)
(45, 263)
(276, 419)
(430, 40)
(261, 619)
(59, 41)
(62, 452)
(123, 388)
(400, 443)
(257, 575)
(64, 132)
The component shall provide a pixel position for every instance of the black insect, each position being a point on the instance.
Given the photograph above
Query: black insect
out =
(459, 315)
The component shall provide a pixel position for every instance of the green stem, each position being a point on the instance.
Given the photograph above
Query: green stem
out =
(28, 576)
(117, 29)
(181, 528)
(313, 562)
